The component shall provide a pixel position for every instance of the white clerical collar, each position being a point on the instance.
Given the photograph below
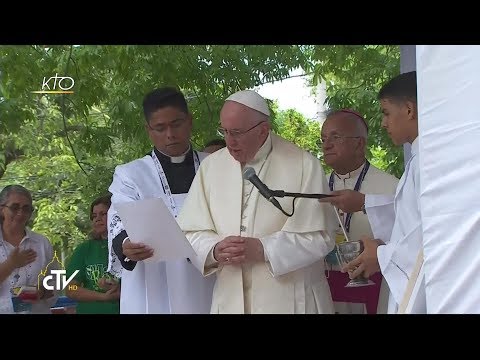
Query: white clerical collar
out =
(263, 151)
(352, 174)
(177, 159)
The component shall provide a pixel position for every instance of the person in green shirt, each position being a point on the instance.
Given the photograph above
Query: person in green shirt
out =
(97, 292)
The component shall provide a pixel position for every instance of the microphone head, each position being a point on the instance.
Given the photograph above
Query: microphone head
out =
(248, 173)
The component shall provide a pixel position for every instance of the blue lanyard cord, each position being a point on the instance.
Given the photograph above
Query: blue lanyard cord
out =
(360, 179)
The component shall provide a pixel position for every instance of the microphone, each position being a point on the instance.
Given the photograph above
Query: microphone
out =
(250, 175)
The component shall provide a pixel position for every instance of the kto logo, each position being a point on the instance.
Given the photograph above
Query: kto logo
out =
(59, 85)
(54, 277)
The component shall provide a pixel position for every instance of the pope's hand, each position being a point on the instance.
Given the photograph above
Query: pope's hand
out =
(254, 250)
(136, 251)
(230, 250)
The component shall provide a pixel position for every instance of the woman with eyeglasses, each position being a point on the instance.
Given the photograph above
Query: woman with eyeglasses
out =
(96, 291)
(23, 255)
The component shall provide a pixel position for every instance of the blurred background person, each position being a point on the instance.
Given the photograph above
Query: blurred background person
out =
(214, 145)
(97, 291)
(23, 253)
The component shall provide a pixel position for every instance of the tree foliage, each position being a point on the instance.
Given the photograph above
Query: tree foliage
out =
(354, 75)
(64, 148)
(296, 128)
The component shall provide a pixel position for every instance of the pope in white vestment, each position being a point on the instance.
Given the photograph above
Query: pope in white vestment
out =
(289, 276)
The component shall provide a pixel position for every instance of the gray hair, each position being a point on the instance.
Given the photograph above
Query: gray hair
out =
(13, 189)
(361, 126)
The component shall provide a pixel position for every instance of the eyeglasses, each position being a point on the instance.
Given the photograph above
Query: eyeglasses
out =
(335, 139)
(15, 208)
(175, 124)
(235, 133)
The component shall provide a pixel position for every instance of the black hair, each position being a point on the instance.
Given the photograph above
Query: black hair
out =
(400, 88)
(164, 97)
(105, 200)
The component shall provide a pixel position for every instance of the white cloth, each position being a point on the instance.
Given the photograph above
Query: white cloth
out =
(376, 181)
(153, 288)
(221, 204)
(397, 258)
(448, 83)
(28, 275)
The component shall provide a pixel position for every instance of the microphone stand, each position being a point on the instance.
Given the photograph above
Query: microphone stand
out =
(281, 193)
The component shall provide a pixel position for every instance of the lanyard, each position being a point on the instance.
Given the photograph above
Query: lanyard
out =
(360, 179)
(163, 180)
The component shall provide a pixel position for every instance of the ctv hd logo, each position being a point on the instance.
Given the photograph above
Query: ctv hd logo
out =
(54, 277)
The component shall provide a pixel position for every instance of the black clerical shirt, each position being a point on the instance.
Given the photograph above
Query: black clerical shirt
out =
(179, 175)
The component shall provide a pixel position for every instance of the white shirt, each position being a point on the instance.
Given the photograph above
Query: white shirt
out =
(397, 258)
(28, 275)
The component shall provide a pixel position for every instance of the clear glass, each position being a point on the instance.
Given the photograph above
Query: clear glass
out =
(348, 251)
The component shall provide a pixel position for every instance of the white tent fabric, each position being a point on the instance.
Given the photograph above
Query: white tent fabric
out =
(448, 81)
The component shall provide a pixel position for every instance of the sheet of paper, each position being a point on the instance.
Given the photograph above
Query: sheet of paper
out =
(150, 222)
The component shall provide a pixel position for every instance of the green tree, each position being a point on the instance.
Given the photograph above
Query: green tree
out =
(296, 128)
(354, 75)
(64, 148)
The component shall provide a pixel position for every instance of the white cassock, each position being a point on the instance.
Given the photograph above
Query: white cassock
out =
(375, 181)
(220, 204)
(172, 287)
(397, 222)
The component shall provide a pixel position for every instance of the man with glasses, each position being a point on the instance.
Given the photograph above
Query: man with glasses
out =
(344, 140)
(265, 260)
(166, 173)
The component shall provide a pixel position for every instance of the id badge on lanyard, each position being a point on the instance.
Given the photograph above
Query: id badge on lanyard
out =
(331, 257)
(166, 186)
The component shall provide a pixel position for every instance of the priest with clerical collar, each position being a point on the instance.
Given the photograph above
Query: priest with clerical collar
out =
(344, 141)
(166, 173)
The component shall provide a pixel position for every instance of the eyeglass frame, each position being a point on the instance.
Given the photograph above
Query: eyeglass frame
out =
(16, 209)
(224, 132)
(320, 142)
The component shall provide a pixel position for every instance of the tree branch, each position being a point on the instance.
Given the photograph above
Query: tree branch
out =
(64, 131)
(195, 91)
(63, 115)
(11, 154)
(285, 78)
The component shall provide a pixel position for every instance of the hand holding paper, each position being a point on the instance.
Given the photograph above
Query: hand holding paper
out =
(151, 223)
